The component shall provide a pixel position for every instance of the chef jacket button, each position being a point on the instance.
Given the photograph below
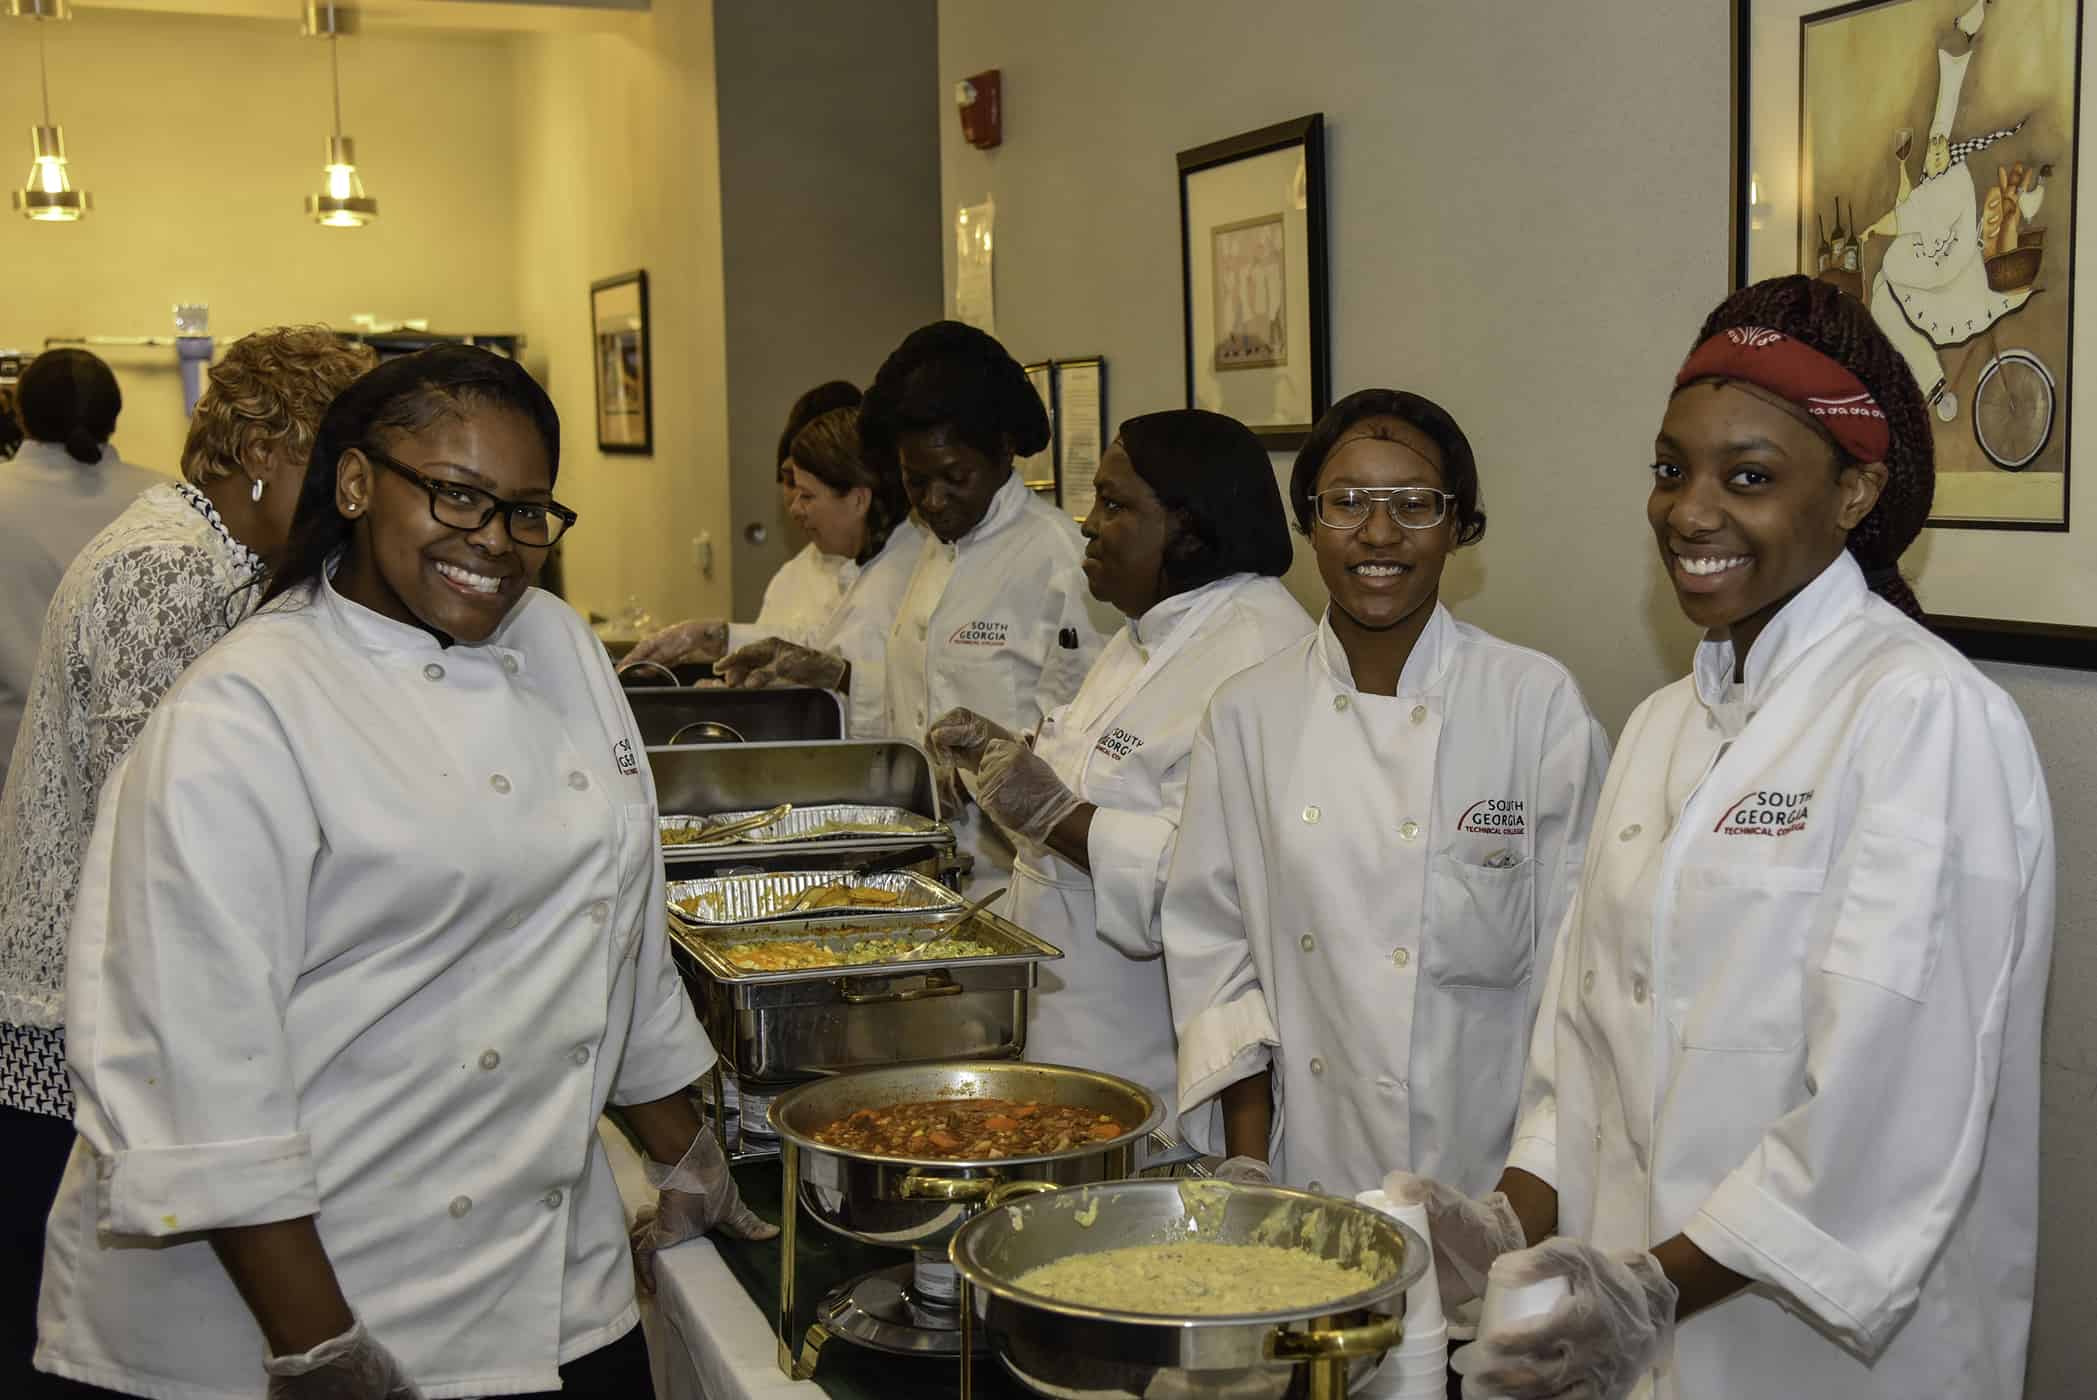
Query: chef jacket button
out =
(1630, 831)
(489, 1059)
(1339, 702)
(1419, 714)
(579, 780)
(553, 1199)
(1401, 956)
(1308, 941)
(433, 672)
(1310, 816)
(600, 911)
(1598, 1139)
(460, 1205)
(499, 783)
(1812, 1085)
(1410, 831)
(580, 1055)
(1638, 990)
(1405, 1086)
(1317, 1065)
(1587, 981)
(509, 665)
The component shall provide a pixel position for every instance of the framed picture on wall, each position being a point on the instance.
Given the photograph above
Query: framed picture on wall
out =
(1253, 270)
(1039, 471)
(1921, 156)
(619, 349)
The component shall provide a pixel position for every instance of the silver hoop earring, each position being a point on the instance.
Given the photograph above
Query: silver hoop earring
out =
(255, 491)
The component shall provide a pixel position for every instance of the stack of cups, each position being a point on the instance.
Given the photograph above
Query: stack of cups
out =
(1418, 1367)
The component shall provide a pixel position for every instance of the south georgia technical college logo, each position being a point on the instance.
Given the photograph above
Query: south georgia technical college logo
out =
(1495, 816)
(1765, 812)
(980, 634)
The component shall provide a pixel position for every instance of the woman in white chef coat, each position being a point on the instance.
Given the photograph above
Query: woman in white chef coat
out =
(995, 615)
(1188, 540)
(369, 933)
(1786, 1083)
(802, 597)
(1382, 828)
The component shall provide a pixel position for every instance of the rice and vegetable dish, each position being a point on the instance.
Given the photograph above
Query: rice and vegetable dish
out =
(1196, 1280)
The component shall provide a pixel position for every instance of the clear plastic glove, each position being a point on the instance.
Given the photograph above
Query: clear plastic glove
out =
(1247, 1171)
(1468, 1235)
(1018, 790)
(1616, 1325)
(776, 661)
(701, 639)
(352, 1366)
(958, 738)
(692, 1198)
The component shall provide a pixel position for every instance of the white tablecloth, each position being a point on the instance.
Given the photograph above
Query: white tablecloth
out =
(706, 1339)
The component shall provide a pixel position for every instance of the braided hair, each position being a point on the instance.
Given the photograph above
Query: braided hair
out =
(1840, 327)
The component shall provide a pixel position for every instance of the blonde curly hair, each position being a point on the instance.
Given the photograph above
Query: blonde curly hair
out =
(266, 398)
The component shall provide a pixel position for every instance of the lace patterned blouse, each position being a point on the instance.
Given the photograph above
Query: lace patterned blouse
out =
(145, 598)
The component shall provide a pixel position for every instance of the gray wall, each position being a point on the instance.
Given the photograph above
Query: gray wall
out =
(1529, 218)
(830, 213)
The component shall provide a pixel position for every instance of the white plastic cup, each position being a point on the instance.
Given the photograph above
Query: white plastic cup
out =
(1423, 1301)
(1507, 1302)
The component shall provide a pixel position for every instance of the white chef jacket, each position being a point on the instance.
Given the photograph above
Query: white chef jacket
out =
(51, 505)
(1795, 1011)
(799, 600)
(1365, 895)
(1123, 745)
(1000, 621)
(369, 928)
(858, 630)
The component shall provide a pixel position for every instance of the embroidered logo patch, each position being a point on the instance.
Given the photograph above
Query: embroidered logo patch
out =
(980, 634)
(1118, 743)
(622, 754)
(1765, 812)
(1495, 816)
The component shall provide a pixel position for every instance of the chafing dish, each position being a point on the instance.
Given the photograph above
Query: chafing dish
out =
(823, 827)
(770, 898)
(758, 716)
(1065, 1349)
(918, 1204)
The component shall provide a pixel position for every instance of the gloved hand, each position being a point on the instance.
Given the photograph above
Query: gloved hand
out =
(693, 1197)
(1617, 1324)
(776, 661)
(700, 639)
(352, 1366)
(958, 738)
(1468, 1235)
(1018, 790)
(1248, 1171)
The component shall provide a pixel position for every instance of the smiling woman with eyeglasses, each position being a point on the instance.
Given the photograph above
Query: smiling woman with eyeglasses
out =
(1383, 825)
(371, 932)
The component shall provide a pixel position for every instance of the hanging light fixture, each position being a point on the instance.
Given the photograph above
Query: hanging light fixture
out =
(342, 202)
(48, 196)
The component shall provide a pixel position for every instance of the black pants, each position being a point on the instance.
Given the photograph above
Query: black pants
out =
(617, 1372)
(33, 1152)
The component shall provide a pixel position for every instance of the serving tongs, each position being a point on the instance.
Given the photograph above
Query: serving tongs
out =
(950, 930)
(713, 835)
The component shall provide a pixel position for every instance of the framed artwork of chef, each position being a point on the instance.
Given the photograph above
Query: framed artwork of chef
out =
(1921, 156)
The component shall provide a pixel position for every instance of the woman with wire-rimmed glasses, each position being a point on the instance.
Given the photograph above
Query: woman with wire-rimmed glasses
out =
(1382, 829)
(370, 934)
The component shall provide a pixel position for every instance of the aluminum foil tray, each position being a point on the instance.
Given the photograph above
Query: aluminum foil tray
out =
(729, 900)
(714, 947)
(858, 824)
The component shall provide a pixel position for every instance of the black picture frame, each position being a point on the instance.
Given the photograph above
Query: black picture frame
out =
(2021, 641)
(622, 362)
(1308, 134)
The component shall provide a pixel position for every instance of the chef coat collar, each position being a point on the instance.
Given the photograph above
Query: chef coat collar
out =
(385, 636)
(1813, 612)
(1165, 615)
(1423, 669)
(1005, 508)
(53, 457)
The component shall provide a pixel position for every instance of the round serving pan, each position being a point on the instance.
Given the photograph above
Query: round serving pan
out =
(1066, 1349)
(918, 1203)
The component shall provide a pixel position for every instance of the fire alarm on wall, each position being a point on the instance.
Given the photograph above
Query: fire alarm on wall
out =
(982, 121)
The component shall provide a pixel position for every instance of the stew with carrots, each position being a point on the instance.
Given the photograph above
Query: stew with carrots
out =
(968, 1129)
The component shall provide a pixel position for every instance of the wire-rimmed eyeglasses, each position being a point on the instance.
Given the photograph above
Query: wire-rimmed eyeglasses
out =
(1414, 507)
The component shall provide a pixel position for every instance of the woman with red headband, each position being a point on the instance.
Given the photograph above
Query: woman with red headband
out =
(1784, 1089)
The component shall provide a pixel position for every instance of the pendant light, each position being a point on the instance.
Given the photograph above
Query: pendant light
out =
(48, 196)
(342, 202)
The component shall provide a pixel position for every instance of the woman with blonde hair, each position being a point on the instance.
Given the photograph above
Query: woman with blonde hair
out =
(144, 598)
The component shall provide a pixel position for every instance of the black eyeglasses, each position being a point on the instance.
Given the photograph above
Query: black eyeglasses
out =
(534, 523)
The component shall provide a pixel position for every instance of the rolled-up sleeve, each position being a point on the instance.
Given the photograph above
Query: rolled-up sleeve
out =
(1847, 1199)
(186, 939)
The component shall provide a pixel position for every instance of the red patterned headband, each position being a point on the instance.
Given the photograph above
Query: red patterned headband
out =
(1797, 373)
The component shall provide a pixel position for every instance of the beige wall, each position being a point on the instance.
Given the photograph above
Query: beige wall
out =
(200, 138)
(619, 168)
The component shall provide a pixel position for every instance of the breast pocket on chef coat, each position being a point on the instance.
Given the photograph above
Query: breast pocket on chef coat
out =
(1735, 952)
(1483, 924)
